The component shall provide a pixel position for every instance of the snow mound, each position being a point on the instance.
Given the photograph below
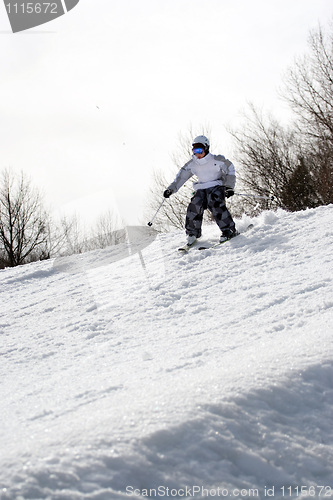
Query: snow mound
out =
(135, 372)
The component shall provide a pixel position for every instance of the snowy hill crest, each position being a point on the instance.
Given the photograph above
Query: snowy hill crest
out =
(211, 369)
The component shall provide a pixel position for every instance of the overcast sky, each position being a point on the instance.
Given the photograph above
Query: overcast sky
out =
(94, 101)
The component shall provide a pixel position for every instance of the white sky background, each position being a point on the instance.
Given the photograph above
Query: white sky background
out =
(153, 68)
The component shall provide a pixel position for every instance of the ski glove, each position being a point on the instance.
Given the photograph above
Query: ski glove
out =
(167, 193)
(229, 192)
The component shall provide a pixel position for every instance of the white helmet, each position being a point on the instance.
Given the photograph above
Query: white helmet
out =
(201, 139)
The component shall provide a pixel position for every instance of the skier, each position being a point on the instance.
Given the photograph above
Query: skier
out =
(216, 181)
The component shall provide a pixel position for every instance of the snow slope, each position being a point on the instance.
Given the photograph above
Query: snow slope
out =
(172, 376)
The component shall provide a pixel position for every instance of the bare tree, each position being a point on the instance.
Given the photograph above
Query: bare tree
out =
(74, 238)
(294, 163)
(23, 221)
(309, 87)
(107, 230)
(309, 91)
(268, 155)
(71, 236)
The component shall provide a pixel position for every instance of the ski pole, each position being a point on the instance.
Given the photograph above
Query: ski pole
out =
(257, 197)
(159, 208)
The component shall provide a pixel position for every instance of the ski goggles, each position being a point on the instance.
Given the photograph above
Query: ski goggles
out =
(198, 151)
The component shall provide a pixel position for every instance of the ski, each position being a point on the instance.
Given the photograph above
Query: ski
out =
(187, 247)
(215, 245)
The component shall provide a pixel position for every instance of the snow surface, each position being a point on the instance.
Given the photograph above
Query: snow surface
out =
(156, 374)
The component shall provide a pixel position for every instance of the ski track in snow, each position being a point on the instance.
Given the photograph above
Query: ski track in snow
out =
(212, 368)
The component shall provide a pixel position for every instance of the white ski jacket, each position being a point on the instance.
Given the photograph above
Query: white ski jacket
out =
(211, 170)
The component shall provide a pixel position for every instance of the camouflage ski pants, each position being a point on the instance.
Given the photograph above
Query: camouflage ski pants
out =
(212, 199)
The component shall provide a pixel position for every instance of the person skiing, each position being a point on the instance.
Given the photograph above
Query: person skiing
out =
(216, 181)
